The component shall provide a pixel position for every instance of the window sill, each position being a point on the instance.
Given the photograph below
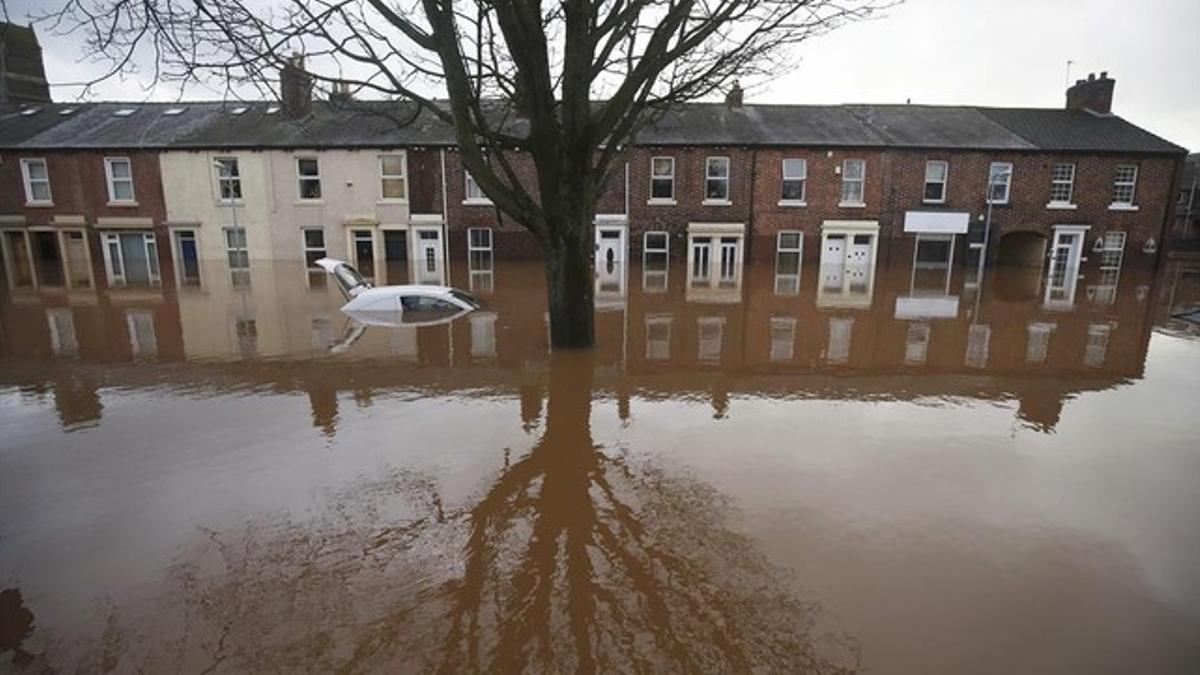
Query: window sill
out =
(1062, 206)
(128, 205)
(310, 202)
(231, 202)
(660, 202)
(934, 202)
(39, 205)
(792, 202)
(401, 200)
(852, 205)
(1122, 207)
(716, 202)
(477, 202)
(994, 204)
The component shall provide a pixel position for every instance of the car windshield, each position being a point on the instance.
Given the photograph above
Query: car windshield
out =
(465, 298)
(349, 277)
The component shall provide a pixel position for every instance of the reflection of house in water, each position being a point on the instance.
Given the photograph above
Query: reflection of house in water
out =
(273, 328)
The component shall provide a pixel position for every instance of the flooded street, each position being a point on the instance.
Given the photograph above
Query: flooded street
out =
(904, 472)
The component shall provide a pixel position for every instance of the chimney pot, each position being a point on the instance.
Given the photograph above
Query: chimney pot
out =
(1104, 74)
(1091, 77)
(734, 98)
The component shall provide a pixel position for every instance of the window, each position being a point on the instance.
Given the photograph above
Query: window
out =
(655, 249)
(662, 178)
(37, 181)
(1124, 184)
(308, 172)
(783, 338)
(479, 248)
(978, 337)
(999, 181)
(701, 257)
(716, 179)
(1113, 251)
(916, 344)
(119, 172)
(658, 338)
(229, 179)
(1062, 183)
(235, 247)
(788, 247)
(474, 193)
(711, 330)
(1038, 345)
(392, 182)
(936, 172)
(314, 247)
(933, 257)
(854, 174)
(795, 171)
(1097, 344)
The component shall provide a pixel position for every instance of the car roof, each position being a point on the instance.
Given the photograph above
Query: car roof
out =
(410, 289)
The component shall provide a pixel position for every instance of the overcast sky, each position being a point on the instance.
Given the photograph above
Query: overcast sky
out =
(1011, 53)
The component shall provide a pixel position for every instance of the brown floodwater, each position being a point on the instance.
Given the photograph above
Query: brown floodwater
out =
(898, 472)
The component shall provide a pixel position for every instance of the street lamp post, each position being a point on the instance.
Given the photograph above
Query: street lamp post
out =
(987, 234)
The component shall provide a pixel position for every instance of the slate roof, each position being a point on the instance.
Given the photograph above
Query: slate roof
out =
(368, 124)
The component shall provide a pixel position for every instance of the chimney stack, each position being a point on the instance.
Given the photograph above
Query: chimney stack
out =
(1094, 94)
(295, 88)
(734, 98)
(340, 92)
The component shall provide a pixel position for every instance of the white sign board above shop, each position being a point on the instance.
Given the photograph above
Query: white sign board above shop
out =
(936, 222)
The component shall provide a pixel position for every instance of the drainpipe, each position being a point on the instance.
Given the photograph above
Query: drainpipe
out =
(445, 216)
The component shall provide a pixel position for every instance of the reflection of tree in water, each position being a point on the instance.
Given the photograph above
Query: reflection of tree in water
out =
(576, 560)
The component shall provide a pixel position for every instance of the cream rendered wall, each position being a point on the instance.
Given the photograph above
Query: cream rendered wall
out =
(350, 193)
(190, 194)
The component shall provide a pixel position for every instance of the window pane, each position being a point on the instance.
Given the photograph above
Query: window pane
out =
(393, 165)
(718, 167)
(853, 168)
(314, 238)
(41, 192)
(793, 190)
(122, 191)
(119, 168)
(935, 192)
(794, 168)
(716, 189)
(393, 188)
(307, 167)
(37, 170)
(662, 166)
(789, 240)
(935, 171)
(662, 188)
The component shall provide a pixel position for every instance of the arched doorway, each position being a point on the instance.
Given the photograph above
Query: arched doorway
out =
(1021, 249)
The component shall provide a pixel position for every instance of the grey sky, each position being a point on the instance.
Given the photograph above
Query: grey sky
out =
(1011, 53)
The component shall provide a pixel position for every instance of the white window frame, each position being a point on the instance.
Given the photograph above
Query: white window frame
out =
(995, 169)
(668, 177)
(1120, 184)
(861, 181)
(234, 178)
(29, 181)
(1110, 247)
(245, 248)
(473, 249)
(302, 178)
(651, 271)
(802, 178)
(944, 182)
(472, 193)
(305, 248)
(1056, 183)
(709, 178)
(402, 177)
(782, 350)
(112, 180)
(780, 249)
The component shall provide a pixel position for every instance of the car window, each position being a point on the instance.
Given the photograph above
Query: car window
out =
(466, 298)
(425, 303)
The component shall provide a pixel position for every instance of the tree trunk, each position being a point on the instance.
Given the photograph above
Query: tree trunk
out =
(569, 282)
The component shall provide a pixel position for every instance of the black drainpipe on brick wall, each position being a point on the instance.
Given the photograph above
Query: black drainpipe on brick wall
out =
(750, 216)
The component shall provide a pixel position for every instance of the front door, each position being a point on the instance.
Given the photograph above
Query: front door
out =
(428, 256)
(363, 242)
(187, 254)
(833, 261)
(1064, 267)
(701, 259)
(609, 259)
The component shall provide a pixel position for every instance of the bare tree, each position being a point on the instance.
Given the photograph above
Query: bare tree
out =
(568, 83)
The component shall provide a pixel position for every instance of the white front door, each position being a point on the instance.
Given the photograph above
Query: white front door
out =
(428, 256)
(1065, 253)
(701, 259)
(610, 257)
(833, 261)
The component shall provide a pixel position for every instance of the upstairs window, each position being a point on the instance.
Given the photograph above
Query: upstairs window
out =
(716, 179)
(308, 173)
(854, 175)
(1124, 185)
(936, 172)
(392, 181)
(119, 173)
(37, 181)
(795, 172)
(229, 179)
(662, 178)
(474, 193)
(1062, 183)
(999, 182)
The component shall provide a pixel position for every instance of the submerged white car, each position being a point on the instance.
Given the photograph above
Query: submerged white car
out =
(403, 305)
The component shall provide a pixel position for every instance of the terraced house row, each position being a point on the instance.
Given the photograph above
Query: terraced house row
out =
(127, 194)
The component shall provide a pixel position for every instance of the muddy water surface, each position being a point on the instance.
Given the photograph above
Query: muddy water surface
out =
(901, 474)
